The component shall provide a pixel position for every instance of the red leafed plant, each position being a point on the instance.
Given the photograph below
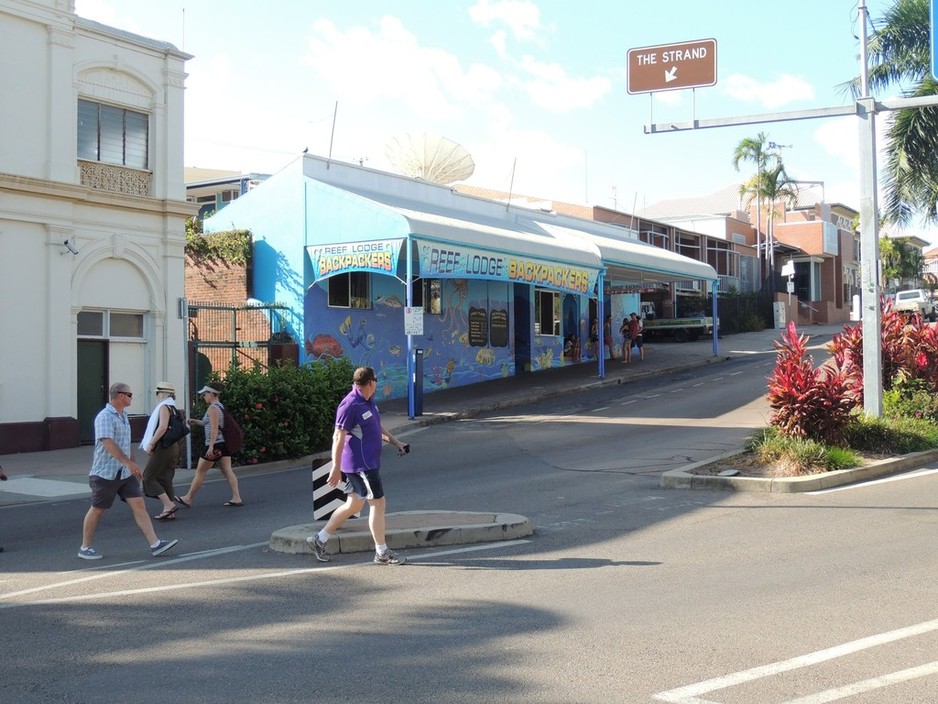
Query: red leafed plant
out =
(909, 350)
(809, 403)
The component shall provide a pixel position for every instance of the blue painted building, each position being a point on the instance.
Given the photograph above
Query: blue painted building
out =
(373, 266)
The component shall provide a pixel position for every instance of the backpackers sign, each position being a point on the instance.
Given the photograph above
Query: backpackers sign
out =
(376, 256)
(438, 260)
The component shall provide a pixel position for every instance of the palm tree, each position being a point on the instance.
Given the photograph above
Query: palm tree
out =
(773, 186)
(769, 185)
(899, 55)
(753, 150)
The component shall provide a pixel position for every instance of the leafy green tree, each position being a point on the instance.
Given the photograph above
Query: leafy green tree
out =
(900, 261)
(899, 56)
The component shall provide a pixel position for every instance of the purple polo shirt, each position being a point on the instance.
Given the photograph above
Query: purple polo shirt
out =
(360, 418)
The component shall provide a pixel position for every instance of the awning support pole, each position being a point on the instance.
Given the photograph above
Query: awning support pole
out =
(713, 312)
(411, 405)
(601, 324)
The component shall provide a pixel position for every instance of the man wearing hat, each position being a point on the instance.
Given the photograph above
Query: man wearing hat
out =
(162, 457)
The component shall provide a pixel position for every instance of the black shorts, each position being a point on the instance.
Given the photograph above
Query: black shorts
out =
(221, 450)
(365, 485)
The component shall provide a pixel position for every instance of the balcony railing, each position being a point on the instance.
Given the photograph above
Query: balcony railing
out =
(116, 179)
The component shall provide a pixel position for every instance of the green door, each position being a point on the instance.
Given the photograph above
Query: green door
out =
(92, 385)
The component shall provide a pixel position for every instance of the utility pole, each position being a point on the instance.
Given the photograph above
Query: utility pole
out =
(869, 237)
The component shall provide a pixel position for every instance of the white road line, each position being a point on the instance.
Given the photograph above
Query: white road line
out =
(597, 410)
(735, 373)
(100, 574)
(832, 695)
(626, 403)
(699, 384)
(687, 694)
(225, 580)
(894, 478)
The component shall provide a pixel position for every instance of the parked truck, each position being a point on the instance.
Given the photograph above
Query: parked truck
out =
(681, 329)
(916, 301)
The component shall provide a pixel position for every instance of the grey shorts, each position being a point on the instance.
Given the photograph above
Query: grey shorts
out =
(104, 490)
(365, 485)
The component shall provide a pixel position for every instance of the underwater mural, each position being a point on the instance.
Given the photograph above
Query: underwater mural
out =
(470, 340)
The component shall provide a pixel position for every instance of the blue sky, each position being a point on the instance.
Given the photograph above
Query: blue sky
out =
(534, 88)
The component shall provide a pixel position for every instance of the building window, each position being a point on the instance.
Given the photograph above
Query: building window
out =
(546, 312)
(113, 135)
(108, 324)
(352, 290)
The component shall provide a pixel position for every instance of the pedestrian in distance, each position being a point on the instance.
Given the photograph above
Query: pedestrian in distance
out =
(356, 459)
(114, 473)
(162, 456)
(607, 337)
(636, 329)
(216, 451)
(626, 332)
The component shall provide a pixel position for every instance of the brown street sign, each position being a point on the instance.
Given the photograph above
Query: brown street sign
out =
(672, 66)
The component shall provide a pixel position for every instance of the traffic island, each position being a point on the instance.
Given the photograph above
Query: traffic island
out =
(699, 476)
(408, 529)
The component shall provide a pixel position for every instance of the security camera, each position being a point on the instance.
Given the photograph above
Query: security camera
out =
(70, 246)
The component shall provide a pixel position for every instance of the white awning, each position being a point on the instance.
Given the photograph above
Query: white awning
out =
(633, 260)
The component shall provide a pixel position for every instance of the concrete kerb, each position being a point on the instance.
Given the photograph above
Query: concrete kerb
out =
(409, 529)
(685, 478)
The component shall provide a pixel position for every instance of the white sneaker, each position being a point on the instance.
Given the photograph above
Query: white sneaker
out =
(89, 554)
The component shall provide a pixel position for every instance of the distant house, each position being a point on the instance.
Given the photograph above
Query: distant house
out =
(817, 237)
(92, 225)
(213, 189)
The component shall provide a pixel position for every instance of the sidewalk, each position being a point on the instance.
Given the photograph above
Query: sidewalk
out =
(49, 476)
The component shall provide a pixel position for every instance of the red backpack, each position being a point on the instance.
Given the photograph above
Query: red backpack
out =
(232, 432)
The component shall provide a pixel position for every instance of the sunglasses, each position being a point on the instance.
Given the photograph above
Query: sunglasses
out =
(126, 393)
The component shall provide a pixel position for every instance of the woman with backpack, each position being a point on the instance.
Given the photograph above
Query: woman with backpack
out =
(160, 441)
(216, 451)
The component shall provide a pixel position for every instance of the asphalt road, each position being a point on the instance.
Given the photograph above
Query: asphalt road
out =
(625, 593)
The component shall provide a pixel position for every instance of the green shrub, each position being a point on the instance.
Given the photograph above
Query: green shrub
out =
(911, 398)
(797, 456)
(891, 436)
(286, 412)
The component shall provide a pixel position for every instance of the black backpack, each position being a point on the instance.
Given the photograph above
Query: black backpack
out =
(176, 430)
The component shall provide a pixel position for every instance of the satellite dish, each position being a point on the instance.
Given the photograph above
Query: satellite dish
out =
(430, 158)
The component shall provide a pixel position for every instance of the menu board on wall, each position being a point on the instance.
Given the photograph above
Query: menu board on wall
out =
(478, 327)
(498, 328)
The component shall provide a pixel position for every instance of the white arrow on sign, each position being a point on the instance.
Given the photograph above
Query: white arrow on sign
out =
(670, 75)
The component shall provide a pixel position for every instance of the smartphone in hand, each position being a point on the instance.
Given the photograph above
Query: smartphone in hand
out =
(404, 450)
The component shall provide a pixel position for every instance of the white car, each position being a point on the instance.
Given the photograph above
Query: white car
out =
(916, 301)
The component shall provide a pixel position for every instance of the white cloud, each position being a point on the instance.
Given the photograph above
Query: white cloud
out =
(786, 89)
(522, 17)
(551, 88)
(362, 67)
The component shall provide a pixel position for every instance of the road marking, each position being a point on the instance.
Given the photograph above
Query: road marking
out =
(895, 478)
(626, 403)
(603, 408)
(688, 694)
(832, 695)
(221, 581)
(101, 573)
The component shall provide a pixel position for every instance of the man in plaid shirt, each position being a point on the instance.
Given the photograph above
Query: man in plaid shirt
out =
(114, 473)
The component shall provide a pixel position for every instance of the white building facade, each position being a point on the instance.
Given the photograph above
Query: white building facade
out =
(92, 221)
